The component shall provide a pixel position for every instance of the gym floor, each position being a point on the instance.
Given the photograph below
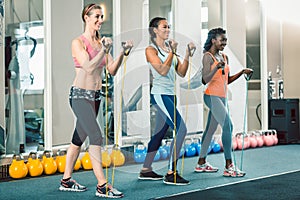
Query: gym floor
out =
(259, 163)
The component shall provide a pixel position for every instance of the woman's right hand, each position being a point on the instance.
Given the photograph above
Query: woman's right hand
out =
(221, 65)
(173, 45)
(107, 43)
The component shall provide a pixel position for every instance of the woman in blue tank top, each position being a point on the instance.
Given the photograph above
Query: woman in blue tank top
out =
(164, 65)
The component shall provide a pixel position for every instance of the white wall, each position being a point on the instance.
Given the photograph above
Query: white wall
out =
(291, 49)
(215, 13)
(236, 28)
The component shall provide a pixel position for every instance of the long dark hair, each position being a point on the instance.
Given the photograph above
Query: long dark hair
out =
(154, 24)
(88, 10)
(212, 34)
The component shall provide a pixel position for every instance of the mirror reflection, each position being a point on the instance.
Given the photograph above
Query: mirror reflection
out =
(24, 76)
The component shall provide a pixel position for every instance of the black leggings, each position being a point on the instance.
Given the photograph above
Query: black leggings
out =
(85, 105)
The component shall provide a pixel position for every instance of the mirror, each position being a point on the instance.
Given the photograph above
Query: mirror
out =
(2, 88)
(24, 75)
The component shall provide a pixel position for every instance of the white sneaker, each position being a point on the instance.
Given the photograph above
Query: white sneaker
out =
(108, 191)
(206, 167)
(233, 171)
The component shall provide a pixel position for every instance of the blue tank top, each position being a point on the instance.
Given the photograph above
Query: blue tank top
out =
(163, 84)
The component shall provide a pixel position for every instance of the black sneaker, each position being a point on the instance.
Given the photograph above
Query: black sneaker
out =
(72, 186)
(150, 176)
(108, 191)
(170, 179)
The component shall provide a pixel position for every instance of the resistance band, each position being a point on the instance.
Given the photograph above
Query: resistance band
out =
(191, 53)
(107, 49)
(247, 77)
(119, 129)
(175, 127)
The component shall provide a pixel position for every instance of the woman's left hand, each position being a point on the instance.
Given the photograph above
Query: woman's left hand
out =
(191, 48)
(247, 71)
(127, 44)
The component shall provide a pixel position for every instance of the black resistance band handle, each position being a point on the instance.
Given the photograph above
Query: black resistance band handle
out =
(126, 50)
(191, 50)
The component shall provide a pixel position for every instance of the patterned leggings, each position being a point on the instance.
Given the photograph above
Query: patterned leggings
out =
(165, 119)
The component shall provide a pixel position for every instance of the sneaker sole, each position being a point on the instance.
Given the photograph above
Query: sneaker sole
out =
(61, 188)
(149, 178)
(171, 183)
(205, 171)
(229, 175)
(107, 196)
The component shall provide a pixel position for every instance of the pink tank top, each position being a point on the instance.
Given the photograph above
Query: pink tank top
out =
(91, 51)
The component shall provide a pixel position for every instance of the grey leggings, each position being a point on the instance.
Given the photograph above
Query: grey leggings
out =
(85, 105)
(218, 114)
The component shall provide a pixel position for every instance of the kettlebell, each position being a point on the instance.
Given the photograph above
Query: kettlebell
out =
(190, 149)
(259, 138)
(268, 139)
(210, 147)
(157, 156)
(182, 152)
(253, 140)
(234, 142)
(49, 164)
(116, 156)
(220, 143)
(18, 168)
(246, 141)
(167, 147)
(61, 160)
(86, 161)
(34, 165)
(216, 147)
(77, 165)
(106, 160)
(242, 143)
(163, 153)
(140, 152)
(197, 145)
(275, 138)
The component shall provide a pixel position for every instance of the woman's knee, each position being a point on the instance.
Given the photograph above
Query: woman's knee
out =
(227, 126)
(96, 140)
(78, 139)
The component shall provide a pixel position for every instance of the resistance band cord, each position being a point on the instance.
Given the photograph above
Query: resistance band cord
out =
(126, 53)
(247, 77)
(106, 115)
(175, 127)
(107, 50)
(191, 53)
